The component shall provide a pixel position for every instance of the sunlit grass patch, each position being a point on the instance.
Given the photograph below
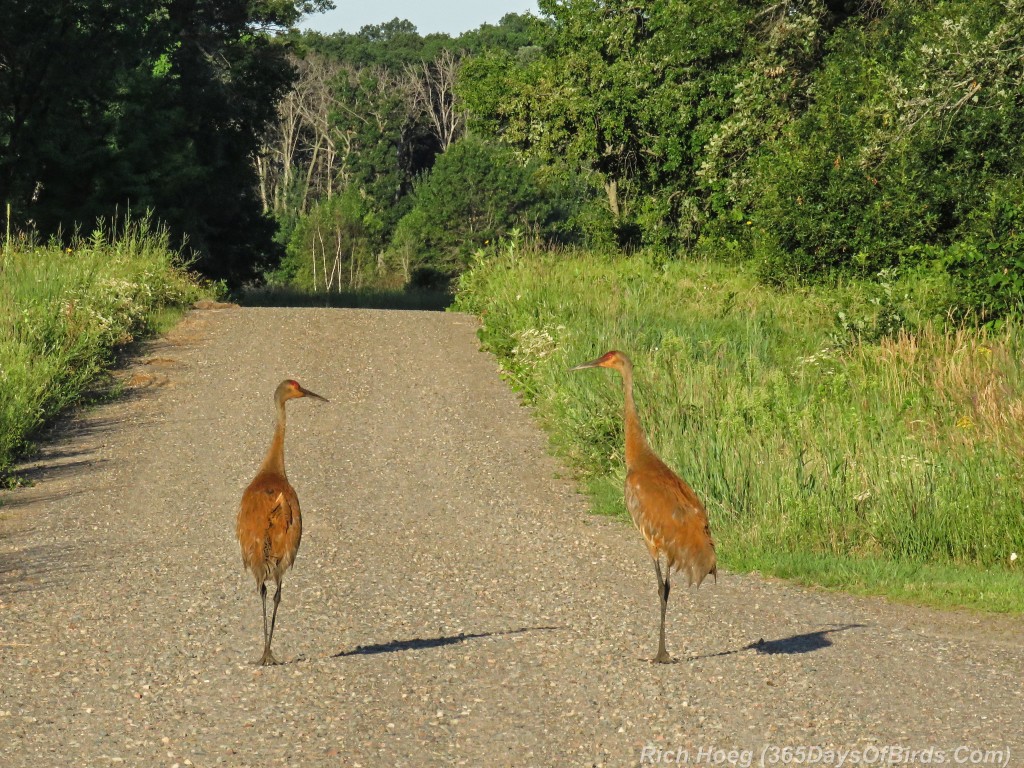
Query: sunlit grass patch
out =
(63, 310)
(826, 446)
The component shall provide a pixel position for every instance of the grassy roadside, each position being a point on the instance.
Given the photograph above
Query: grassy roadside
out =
(829, 446)
(64, 311)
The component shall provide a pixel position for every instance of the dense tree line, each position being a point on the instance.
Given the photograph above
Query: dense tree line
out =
(817, 137)
(144, 105)
(369, 169)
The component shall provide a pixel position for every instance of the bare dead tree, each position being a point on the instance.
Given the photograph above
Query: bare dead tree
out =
(276, 162)
(302, 144)
(433, 88)
(316, 102)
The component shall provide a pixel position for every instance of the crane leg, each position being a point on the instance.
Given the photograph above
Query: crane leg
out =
(268, 657)
(663, 590)
(266, 645)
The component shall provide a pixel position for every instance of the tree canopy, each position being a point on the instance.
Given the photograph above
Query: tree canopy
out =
(818, 138)
(144, 104)
(821, 137)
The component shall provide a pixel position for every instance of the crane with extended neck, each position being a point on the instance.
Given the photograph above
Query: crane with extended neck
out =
(664, 508)
(269, 523)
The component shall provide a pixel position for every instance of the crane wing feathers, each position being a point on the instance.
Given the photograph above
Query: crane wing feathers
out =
(673, 522)
(269, 528)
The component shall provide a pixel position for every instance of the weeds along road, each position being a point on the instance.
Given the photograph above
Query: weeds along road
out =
(452, 603)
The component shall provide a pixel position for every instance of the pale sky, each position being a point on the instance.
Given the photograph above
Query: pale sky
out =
(451, 16)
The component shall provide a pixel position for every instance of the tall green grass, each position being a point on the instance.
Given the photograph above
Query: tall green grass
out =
(828, 444)
(63, 312)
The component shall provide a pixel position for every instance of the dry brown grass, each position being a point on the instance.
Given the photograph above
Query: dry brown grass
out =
(974, 377)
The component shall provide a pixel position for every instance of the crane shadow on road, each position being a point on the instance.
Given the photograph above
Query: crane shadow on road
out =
(808, 642)
(421, 643)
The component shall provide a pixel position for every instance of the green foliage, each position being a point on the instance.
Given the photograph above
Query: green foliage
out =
(475, 194)
(331, 247)
(64, 310)
(826, 139)
(148, 104)
(817, 453)
(491, 85)
(391, 45)
(822, 138)
(516, 33)
(988, 263)
(629, 93)
(371, 112)
(907, 151)
(390, 148)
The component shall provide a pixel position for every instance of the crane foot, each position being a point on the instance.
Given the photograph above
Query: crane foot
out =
(267, 660)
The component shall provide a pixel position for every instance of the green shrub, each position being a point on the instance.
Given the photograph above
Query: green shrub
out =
(989, 264)
(475, 194)
(64, 310)
(331, 247)
(908, 152)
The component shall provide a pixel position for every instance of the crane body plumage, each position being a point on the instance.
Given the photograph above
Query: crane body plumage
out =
(269, 522)
(666, 511)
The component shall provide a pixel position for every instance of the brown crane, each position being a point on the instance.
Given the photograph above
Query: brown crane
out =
(269, 525)
(664, 508)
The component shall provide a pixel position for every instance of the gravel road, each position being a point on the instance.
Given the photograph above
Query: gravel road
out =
(453, 602)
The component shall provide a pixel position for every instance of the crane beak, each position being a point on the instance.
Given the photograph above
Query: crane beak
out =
(591, 364)
(307, 393)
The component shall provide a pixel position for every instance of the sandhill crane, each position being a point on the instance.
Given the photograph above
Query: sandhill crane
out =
(269, 525)
(664, 508)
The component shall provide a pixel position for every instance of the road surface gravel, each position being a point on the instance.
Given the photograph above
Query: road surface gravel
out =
(453, 603)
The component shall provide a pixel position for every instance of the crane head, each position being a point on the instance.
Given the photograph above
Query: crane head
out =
(289, 388)
(613, 359)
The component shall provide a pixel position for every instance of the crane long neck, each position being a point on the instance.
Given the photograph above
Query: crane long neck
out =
(274, 460)
(636, 441)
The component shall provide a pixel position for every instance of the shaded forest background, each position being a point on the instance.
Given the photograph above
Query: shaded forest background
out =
(821, 139)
